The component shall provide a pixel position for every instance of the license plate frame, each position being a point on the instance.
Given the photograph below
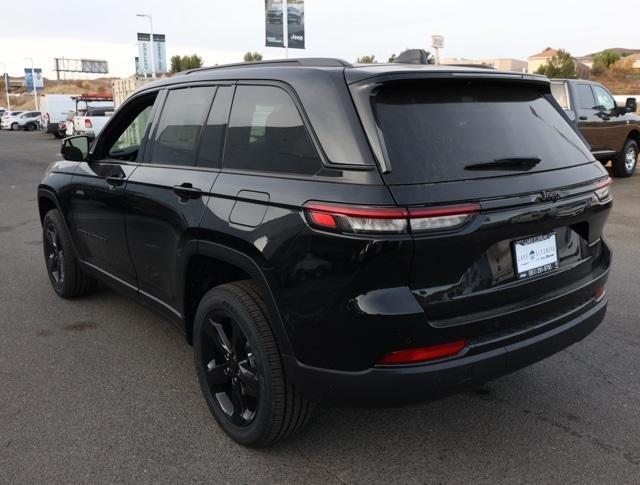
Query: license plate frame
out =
(535, 255)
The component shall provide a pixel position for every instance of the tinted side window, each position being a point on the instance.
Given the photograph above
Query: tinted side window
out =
(176, 139)
(584, 96)
(604, 98)
(212, 139)
(266, 133)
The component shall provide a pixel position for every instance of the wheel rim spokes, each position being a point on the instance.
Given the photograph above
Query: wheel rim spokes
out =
(55, 256)
(230, 370)
(630, 159)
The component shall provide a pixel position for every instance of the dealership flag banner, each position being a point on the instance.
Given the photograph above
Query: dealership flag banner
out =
(274, 23)
(159, 54)
(29, 76)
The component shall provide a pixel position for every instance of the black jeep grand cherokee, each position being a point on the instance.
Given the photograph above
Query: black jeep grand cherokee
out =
(321, 230)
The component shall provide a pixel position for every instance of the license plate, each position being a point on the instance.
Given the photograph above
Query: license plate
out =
(535, 255)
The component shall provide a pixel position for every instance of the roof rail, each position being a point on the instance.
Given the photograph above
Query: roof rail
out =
(302, 61)
(477, 66)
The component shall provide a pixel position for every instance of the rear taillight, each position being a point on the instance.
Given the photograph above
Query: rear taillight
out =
(599, 293)
(387, 220)
(603, 189)
(87, 123)
(423, 354)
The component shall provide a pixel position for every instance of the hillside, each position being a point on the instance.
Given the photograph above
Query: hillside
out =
(23, 100)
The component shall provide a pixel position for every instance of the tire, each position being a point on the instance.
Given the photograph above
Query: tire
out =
(30, 127)
(247, 392)
(67, 280)
(14, 127)
(624, 165)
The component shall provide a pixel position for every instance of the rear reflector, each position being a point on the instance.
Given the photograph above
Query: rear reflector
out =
(599, 293)
(87, 123)
(422, 354)
(387, 220)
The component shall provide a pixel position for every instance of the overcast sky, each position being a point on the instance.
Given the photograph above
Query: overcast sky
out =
(221, 31)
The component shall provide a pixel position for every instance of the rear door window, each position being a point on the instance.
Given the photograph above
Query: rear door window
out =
(559, 91)
(266, 133)
(434, 130)
(584, 96)
(178, 133)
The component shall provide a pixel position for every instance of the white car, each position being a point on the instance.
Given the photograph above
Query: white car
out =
(7, 115)
(27, 120)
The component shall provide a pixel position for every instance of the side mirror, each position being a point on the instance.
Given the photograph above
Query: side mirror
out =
(631, 106)
(75, 148)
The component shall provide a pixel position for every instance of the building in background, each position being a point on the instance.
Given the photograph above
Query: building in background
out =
(541, 58)
(502, 64)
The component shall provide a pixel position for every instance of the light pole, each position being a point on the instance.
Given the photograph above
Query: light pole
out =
(33, 81)
(153, 63)
(6, 85)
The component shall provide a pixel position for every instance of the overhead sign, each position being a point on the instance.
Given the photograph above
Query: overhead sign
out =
(159, 53)
(32, 76)
(274, 23)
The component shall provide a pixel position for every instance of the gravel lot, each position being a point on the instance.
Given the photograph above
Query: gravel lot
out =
(102, 390)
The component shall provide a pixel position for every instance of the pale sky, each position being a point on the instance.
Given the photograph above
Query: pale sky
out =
(221, 31)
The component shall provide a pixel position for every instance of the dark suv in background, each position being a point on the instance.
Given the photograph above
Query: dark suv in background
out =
(612, 131)
(318, 230)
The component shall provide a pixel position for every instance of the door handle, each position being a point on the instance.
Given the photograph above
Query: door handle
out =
(115, 181)
(583, 118)
(187, 191)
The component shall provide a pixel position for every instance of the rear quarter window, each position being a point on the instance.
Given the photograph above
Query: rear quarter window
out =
(433, 130)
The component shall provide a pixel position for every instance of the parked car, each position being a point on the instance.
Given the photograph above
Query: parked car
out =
(2, 112)
(28, 120)
(612, 131)
(55, 109)
(5, 117)
(91, 121)
(323, 231)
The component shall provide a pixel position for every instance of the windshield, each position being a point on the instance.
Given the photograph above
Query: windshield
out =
(433, 131)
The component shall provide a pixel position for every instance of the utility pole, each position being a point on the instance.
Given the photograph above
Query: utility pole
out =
(153, 63)
(6, 85)
(285, 28)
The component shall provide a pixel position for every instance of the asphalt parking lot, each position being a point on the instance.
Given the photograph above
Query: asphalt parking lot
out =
(102, 390)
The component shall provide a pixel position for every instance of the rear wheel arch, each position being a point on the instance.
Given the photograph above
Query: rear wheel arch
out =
(634, 135)
(214, 264)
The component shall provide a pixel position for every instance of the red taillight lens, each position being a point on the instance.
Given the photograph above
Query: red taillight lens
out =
(387, 220)
(422, 354)
(87, 123)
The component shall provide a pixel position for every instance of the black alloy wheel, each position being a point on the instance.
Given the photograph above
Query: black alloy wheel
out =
(54, 255)
(231, 368)
(240, 369)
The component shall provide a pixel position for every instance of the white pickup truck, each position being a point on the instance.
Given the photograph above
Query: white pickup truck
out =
(91, 114)
(91, 121)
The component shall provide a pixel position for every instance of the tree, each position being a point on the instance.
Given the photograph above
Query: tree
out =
(606, 58)
(252, 57)
(392, 58)
(560, 65)
(182, 63)
(366, 59)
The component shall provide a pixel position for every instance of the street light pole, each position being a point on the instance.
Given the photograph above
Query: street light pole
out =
(153, 63)
(6, 85)
(33, 82)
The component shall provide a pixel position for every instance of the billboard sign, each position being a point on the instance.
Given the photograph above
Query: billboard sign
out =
(32, 76)
(274, 23)
(159, 53)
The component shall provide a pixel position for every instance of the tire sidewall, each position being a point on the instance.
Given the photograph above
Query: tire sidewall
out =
(222, 300)
(53, 218)
(631, 144)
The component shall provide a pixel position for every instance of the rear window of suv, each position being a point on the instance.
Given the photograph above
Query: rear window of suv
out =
(433, 130)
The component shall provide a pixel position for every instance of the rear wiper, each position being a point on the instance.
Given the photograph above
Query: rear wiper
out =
(511, 163)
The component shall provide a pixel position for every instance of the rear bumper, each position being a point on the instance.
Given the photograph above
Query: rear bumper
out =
(379, 385)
